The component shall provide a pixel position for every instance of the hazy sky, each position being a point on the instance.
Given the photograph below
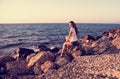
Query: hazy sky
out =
(47, 11)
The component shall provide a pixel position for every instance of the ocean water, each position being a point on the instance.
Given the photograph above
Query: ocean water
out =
(13, 36)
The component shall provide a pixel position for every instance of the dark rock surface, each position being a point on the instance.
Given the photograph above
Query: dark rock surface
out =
(3, 61)
(18, 68)
(22, 53)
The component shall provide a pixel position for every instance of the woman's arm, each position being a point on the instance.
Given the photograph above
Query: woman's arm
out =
(69, 35)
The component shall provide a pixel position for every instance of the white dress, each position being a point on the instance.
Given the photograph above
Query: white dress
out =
(73, 36)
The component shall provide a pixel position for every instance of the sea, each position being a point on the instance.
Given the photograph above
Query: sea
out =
(13, 36)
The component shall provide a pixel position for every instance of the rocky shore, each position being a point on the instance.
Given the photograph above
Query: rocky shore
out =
(94, 58)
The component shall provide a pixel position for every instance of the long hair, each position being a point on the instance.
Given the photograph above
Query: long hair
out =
(74, 26)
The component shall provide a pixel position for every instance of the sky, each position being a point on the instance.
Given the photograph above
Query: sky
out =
(59, 11)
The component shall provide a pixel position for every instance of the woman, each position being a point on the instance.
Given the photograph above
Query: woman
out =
(71, 39)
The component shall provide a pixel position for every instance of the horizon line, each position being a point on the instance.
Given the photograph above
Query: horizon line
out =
(61, 23)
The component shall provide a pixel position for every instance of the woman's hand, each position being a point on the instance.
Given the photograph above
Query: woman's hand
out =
(67, 38)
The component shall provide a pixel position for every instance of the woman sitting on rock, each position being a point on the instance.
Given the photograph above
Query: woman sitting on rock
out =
(71, 39)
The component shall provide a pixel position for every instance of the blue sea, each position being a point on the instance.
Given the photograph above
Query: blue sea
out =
(13, 36)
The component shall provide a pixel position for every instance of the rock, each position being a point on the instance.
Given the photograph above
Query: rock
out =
(22, 53)
(18, 68)
(48, 65)
(76, 54)
(29, 57)
(104, 46)
(113, 33)
(42, 48)
(1, 77)
(87, 38)
(102, 62)
(19, 77)
(116, 42)
(10, 77)
(41, 57)
(3, 61)
(3, 70)
(88, 67)
(34, 59)
(62, 60)
(101, 46)
(37, 69)
(74, 51)
(54, 49)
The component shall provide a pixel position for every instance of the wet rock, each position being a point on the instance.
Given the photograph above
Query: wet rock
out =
(40, 58)
(22, 53)
(42, 48)
(48, 65)
(54, 49)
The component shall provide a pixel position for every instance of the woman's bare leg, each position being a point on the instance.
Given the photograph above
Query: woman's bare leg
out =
(64, 45)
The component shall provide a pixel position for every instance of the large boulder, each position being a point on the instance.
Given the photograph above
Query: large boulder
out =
(40, 58)
(22, 53)
(3, 61)
(73, 51)
(101, 46)
(18, 68)
(30, 56)
(48, 65)
(104, 46)
(116, 42)
(62, 60)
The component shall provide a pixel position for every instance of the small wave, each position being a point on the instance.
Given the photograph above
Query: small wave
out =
(10, 45)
